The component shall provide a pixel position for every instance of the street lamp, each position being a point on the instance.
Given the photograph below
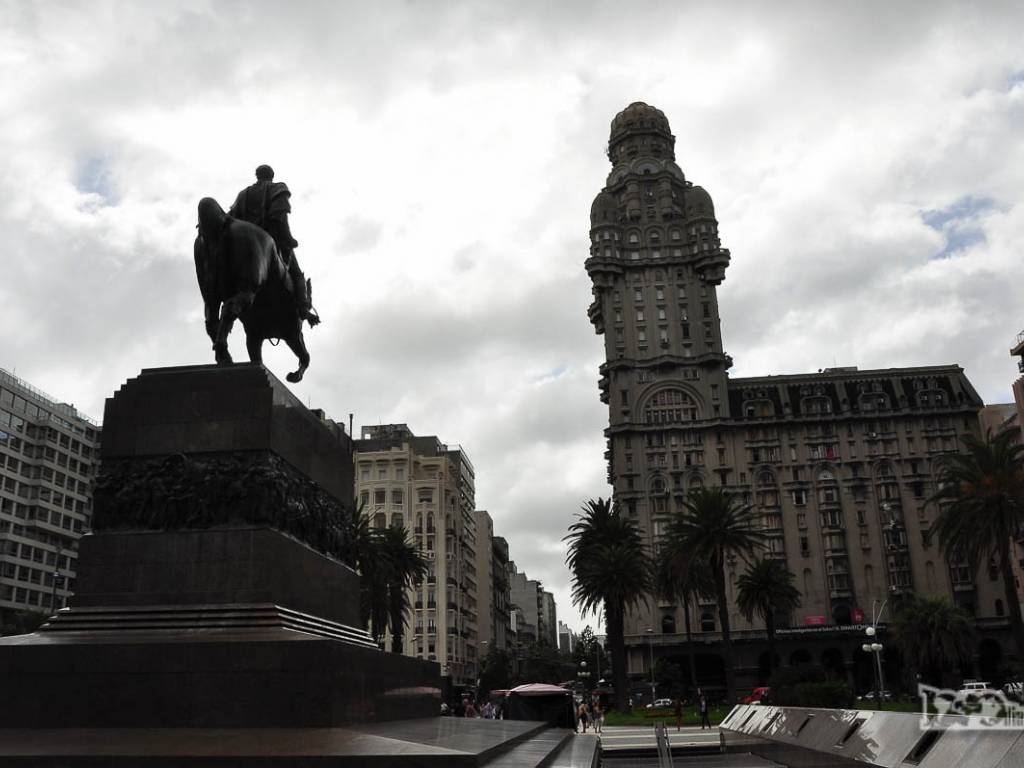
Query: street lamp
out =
(583, 675)
(650, 643)
(875, 648)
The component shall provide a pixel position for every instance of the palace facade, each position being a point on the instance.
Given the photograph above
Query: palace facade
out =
(839, 463)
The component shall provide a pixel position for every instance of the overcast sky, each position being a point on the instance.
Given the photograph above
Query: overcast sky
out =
(866, 162)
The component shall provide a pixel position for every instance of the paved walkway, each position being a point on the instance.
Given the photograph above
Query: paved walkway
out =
(623, 737)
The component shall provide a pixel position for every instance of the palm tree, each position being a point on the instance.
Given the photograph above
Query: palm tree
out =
(364, 553)
(934, 636)
(684, 580)
(611, 568)
(981, 508)
(766, 589)
(714, 525)
(405, 567)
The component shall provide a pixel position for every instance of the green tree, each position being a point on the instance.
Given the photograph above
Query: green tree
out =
(496, 671)
(981, 509)
(610, 568)
(935, 638)
(766, 589)
(14, 622)
(541, 664)
(588, 649)
(712, 526)
(668, 676)
(681, 577)
(365, 556)
(404, 566)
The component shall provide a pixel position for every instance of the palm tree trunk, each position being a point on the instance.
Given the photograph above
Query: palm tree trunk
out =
(614, 625)
(727, 653)
(689, 647)
(397, 616)
(1012, 603)
(769, 628)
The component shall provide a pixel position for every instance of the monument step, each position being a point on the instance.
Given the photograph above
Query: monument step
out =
(445, 742)
(536, 752)
(582, 751)
(114, 621)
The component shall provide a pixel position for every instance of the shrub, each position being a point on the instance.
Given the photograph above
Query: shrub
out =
(806, 686)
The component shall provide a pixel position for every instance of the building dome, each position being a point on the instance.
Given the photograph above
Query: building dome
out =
(644, 129)
(698, 203)
(604, 210)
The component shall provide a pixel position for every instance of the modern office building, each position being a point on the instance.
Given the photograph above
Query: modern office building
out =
(548, 618)
(427, 487)
(839, 462)
(567, 639)
(49, 455)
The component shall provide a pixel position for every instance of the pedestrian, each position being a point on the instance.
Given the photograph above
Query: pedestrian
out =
(581, 717)
(678, 705)
(598, 713)
(702, 707)
(470, 709)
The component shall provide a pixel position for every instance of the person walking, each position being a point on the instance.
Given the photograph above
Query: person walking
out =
(678, 707)
(581, 716)
(598, 713)
(702, 707)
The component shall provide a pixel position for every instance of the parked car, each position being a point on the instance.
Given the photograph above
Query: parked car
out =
(976, 689)
(758, 696)
(871, 696)
(658, 703)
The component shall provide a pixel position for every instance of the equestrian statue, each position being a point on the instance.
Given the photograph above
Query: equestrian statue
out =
(247, 270)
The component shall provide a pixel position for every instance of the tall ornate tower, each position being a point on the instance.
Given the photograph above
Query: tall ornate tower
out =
(655, 263)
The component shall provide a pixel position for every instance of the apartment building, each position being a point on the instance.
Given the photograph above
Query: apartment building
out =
(427, 488)
(49, 455)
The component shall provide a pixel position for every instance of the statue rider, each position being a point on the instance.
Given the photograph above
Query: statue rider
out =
(267, 205)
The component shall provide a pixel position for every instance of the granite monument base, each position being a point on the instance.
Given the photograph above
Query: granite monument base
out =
(211, 594)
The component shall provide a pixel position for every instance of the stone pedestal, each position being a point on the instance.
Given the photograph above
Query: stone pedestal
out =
(212, 593)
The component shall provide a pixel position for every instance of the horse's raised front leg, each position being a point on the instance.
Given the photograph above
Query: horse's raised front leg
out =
(298, 345)
(229, 312)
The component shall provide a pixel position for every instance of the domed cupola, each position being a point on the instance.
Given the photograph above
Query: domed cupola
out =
(698, 204)
(604, 211)
(640, 130)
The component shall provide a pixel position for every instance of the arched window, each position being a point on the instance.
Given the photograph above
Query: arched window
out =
(707, 622)
(668, 624)
(380, 520)
(816, 405)
(430, 522)
(670, 406)
(398, 520)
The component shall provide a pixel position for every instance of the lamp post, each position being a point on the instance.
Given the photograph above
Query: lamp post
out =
(650, 644)
(875, 648)
(583, 675)
(56, 579)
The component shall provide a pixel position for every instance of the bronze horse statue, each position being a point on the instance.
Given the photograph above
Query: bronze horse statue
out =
(242, 276)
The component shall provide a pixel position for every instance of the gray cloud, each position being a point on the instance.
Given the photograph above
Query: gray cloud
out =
(443, 157)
